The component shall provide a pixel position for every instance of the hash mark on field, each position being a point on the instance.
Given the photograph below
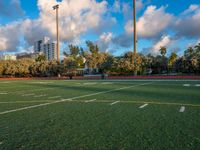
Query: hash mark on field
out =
(197, 85)
(106, 83)
(63, 100)
(143, 106)
(114, 103)
(28, 94)
(89, 83)
(3, 93)
(40, 95)
(182, 109)
(90, 100)
(186, 85)
(54, 97)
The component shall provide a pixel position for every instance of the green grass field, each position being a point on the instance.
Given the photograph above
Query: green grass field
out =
(129, 114)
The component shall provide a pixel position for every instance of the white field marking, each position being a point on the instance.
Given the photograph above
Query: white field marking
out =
(182, 109)
(1, 142)
(41, 82)
(11, 87)
(90, 83)
(197, 85)
(92, 100)
(15, 102)
(186, 85)
(143, 106)
(42, 95)
(31, 90)
(6, 82)
(106, 83)
(54, 97)
(78, 83)
(62, 99)
(28, 94)
(69, 99)
(114, 103)
(3, 93)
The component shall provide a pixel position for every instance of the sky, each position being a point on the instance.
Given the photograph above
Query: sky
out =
(174, 24)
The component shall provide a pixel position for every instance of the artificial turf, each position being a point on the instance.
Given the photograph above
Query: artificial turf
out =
(68, 122)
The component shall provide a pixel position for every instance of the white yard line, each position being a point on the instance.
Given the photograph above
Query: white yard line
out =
(143, 106)
(31, 90)
(114, 103)
(3, 93)
(5, 82)
(40, 82)
(92, 100)
(90, 83)
(197, 85)
(186, 85)
(28, 94)
(54, 97)
(40, 95)
(63, 100)
(182, 109)
(15, 102)
(107, 83)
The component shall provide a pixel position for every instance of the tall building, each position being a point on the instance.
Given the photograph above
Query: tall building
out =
(47, 47)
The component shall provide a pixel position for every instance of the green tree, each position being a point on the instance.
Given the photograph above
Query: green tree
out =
(40, 58)
(163, 51)
(172, 60)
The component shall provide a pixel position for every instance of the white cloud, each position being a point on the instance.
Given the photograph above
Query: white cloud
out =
(129, 27)
(76, 18)
(167, 41)
(10, 36)
(153, 22)
(191, 9)
(164, 41)
(188, 24)
(105, 41)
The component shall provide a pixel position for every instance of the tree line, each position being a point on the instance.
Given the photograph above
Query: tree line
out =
(94, 61)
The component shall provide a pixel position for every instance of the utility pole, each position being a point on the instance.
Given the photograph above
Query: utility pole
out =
(135, 27)
(134, 37)
(56, 7)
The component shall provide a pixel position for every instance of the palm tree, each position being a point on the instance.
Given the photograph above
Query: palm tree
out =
(163, 51)
(172, 59)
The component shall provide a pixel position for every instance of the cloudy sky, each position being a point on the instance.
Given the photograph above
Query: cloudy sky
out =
(171, 23)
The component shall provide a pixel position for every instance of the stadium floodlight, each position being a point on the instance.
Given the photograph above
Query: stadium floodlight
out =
(56, 7)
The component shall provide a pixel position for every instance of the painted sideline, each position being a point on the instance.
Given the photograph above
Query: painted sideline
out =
(63, 100)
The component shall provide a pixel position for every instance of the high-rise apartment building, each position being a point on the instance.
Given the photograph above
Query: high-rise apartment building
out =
(47, 47)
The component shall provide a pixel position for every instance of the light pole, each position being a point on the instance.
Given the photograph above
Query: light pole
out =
(134, 59)
(56, 7)
(135, 27)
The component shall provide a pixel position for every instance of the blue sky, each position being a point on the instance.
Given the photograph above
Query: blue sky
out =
(174, 24)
